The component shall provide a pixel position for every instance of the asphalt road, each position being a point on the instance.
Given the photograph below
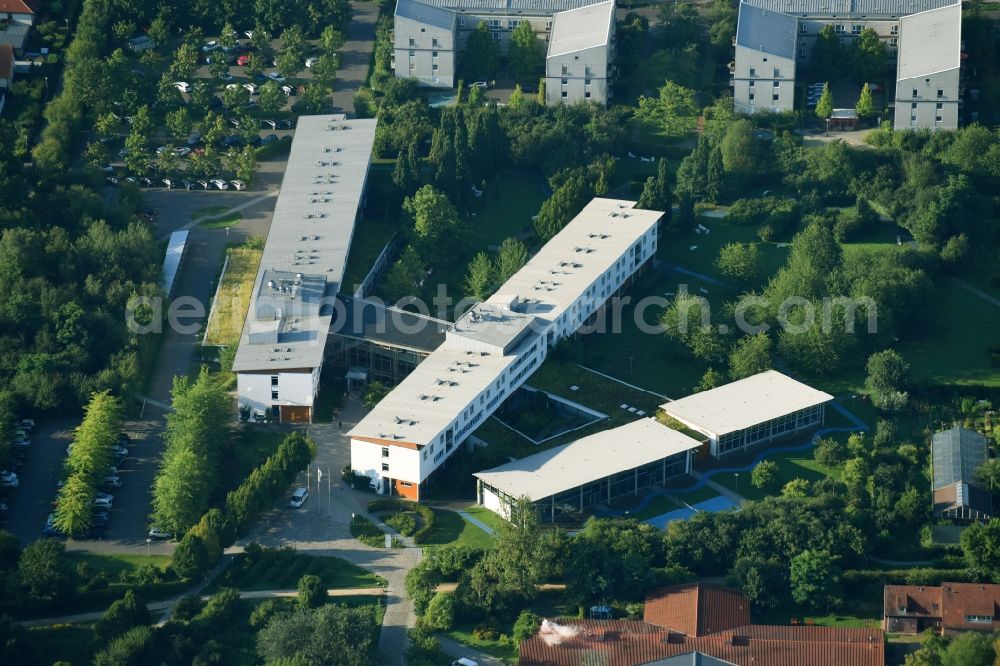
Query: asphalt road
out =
(355, 55)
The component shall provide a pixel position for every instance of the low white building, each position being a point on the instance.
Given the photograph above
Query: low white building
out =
(429, 35)
(283, 343)
(597, 469)
(774, 39)
(750, 411)
(492, 349)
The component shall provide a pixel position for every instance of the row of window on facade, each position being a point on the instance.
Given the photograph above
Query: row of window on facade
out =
(795, 421)
(856, 28)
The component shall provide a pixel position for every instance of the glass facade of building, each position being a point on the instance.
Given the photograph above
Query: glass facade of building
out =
(804, 418)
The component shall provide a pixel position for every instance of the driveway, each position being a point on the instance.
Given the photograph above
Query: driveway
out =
(322, 527)
(355, 56)
(457, 650)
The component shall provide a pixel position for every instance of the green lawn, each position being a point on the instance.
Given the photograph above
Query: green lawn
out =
(463, 634)
(450, 529)
(208, 211)
(369, 239)
(504, 210)
(284, 571)
(484, 515)
(253, 448)
(114, 564)
(955, 350)
(223, 222)
(791, 465)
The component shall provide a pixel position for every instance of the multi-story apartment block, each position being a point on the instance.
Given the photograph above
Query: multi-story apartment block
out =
(774, 38)
(493, 348)
(429, 36)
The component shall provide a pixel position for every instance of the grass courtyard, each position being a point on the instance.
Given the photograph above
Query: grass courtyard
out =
(791, 465)
(233, 298)
(282, 571)
(450, 529)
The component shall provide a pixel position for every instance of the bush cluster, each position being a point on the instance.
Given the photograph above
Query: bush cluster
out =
(426, 515)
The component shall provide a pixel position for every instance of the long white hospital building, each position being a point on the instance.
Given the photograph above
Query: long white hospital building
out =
(283, 343)
(492, 349)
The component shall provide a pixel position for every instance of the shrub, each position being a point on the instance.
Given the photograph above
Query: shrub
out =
(440, 614)
(527, 625)
(191, 557)
(125, 613)
(830, 452)
(485, 632)
(312, 592)
(425, 513)
(186, 607)
(404, 523)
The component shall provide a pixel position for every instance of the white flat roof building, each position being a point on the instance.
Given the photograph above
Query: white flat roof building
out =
(750, 410)
(596, 457)
(492, 349)
(285, 332)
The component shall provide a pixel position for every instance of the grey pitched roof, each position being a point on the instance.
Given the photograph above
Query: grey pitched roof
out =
(530, 7)
(767, 31)
(847, 8)
(958, 453)
(424, 12)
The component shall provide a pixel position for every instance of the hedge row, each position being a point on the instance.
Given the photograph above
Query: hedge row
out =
(203, 544)
(426, 513)
(855, 579)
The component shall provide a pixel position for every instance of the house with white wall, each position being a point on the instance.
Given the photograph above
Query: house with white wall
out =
(283, 343)
(16, 19)
(774, 40)
(429, 36)
(493, 348)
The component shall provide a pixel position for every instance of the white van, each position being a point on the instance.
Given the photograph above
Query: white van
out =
(464, 661)
(299, 496)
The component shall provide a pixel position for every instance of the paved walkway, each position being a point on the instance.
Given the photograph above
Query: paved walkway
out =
(355, 56)
(976, 292)
(478, 523)
(718, 487)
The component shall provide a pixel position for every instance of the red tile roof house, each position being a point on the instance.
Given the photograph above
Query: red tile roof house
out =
(949, 609)
(16, 19)
(699, 624)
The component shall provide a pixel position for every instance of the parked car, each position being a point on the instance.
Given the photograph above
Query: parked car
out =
(288, 90)
(210, 46)
(183, 151)
(235, 122)
(226, 77)
(232, 86)
(169, 184)
(183, 86)
(9, 479)
(194, 139)
(204, 184)
(232, 141)
(464, 661)
(112, 180)
(113, 481)
(157, 533)
(219, 183)
(243, 60)
(107, 168)
(273, 124)
(270, 138)
(103, 502)
(187, 184)
(50, 530)
(251, 88)
(145, 182)
(249, 34)
(26, 424)
(288, 123)
(299, 497)
(480, 84)
(311, 61)
(119, 450)
(255, 140)
(276, 76)
(238, 185)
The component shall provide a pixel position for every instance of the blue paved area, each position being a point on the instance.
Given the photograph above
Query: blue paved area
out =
(719, 503)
